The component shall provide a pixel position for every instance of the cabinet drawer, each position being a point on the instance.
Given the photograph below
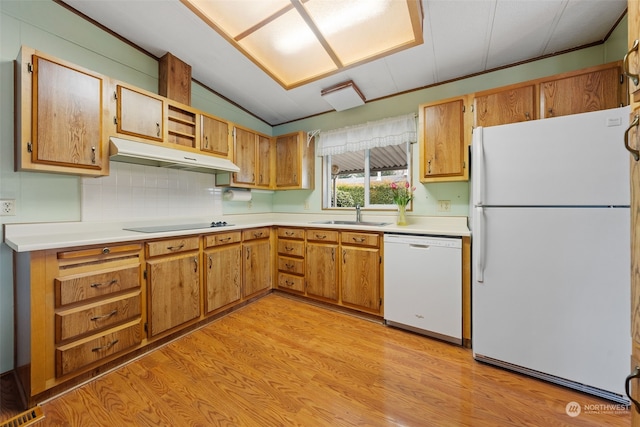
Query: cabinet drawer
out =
(289, 282)
(100, 252)
(291, 247)
(291, 233)
(91, 319)
(172, 246)
(291, 265)
(84, 287)
(70, 358)
(222, 238)
(322, 236)
(256, 233)
(360, 239)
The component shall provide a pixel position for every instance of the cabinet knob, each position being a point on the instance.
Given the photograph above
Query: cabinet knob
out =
(105, 251)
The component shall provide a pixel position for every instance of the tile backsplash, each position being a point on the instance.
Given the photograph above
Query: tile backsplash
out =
(137, 192)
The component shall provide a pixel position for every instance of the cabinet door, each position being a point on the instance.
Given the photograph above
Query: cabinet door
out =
(257, 267)
(174, 291)
(322, 271)
(288, 159)
(222, 279)
(67, 116)
(245, 157)
(264, 161)
(506, 106)
(215, 136)
(442, 141)
(139, 114)
(591, 91)
(360, 282)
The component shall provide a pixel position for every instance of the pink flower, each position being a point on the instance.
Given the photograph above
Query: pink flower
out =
(406, 184)
(394, 186)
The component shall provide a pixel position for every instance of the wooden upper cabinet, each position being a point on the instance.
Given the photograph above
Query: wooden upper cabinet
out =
(215, 136)
(253, 155)
(443, 140)
(294, 162)
(633, 57)
(507, 105)
(263, 167)
(59, 116)
(139, 114)
(245, 156)
(596, 88)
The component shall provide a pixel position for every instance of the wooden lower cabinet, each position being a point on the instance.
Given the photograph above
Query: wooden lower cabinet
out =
(256, 261)
(322, 266)
(223, 274)
(173, 280)
(290, 259)
(360, 271)
(76, 309)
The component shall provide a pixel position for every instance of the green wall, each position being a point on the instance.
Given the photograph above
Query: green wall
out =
(41, 197)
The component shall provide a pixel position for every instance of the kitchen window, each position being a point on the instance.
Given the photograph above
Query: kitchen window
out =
(360, 162)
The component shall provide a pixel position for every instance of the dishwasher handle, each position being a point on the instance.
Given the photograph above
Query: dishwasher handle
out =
(414, 245)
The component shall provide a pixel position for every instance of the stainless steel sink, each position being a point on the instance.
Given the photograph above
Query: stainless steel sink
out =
(365, 223)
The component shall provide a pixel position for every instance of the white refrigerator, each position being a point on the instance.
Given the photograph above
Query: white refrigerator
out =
(551, 250)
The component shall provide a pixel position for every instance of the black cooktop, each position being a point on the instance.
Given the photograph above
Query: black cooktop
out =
(177, 227)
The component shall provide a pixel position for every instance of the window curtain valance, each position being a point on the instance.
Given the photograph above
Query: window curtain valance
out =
(379, 133)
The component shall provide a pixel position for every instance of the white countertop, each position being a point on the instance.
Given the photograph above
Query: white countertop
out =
(28, 237)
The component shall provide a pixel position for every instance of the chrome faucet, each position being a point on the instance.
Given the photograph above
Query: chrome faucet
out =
(358, 218)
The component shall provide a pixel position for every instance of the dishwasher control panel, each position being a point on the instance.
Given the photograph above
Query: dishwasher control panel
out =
(442, 242)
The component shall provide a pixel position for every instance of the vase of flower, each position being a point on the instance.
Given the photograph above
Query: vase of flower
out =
(402, 195)
(402, 215)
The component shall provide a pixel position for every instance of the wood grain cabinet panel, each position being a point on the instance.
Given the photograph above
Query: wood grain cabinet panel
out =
(60, 110)
(77, 355)
(507, 105)
(139, 114)
(223, 277)
(257, 262)
(322, 270)
(83, 287)
(76, 322)
(215, 136)
(592, 90)
(443, 141)
(174, 291)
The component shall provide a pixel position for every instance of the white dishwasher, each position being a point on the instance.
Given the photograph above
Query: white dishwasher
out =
(423, 285)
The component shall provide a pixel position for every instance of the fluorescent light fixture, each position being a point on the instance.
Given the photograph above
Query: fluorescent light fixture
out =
(300, 41)
(343, 96)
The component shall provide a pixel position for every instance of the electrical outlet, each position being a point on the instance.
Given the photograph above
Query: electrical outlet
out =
(306, 205)
(7, 207)
(444, 205)
(249, 205)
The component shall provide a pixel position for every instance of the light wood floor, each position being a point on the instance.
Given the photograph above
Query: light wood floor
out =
(281, 362)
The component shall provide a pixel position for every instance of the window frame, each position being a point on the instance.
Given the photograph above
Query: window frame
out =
(327, 181)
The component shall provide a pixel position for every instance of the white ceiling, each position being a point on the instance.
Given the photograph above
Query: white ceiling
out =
(461, 37)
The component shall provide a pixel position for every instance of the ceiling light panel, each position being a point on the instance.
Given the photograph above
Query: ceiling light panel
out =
(298, 41)
(361, 29)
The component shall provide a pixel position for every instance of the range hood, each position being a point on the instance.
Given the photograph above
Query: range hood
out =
(124, 150)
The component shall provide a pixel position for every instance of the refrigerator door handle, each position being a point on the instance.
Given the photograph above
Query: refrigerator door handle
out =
(478, 159)
(479, 235)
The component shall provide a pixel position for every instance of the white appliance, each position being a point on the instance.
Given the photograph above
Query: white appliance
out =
(423, 285)
(551, 252)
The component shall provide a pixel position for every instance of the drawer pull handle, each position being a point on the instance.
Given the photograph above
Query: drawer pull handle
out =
(224, 239)
(97, 285)
(256, 235)
(289, 266)
(290, 233)
(195, 268)
(176, 248)
(288, 283)
(105, 347)
(635, 374)
(359, 239)
(104, 316)
(321, 236)
(288, 249)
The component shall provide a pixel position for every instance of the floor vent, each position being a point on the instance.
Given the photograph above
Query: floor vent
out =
(26, 418)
